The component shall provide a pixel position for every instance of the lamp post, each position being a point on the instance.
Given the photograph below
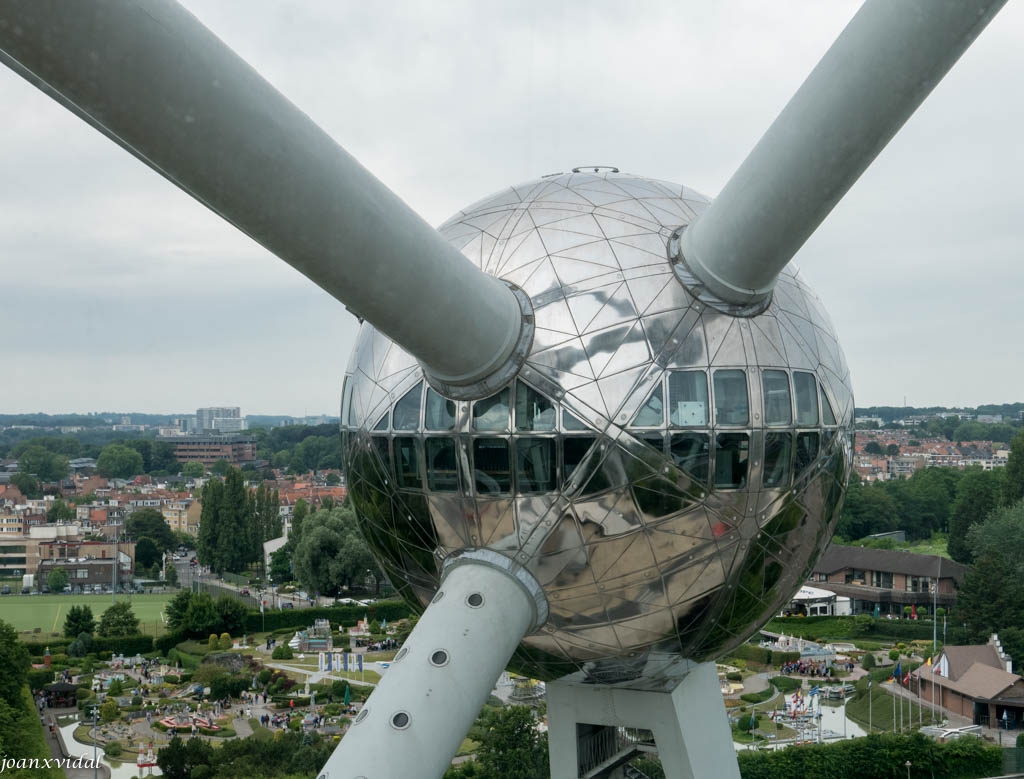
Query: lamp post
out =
(908, 764)
(95, 757)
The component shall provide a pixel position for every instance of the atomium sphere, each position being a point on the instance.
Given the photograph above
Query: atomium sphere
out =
(667, 472)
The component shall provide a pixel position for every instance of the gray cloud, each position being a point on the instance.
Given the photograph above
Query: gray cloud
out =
(118, 291)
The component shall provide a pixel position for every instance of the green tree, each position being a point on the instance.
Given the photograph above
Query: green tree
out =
(79, 620)
(991, 596)
(118, 461)
(176, 610)
(163, 459)
(15, 662)
(206, 546)
(281, 566)
(873, 447)
(109, 711)
(146, 553)
(511, 747)
(892, 450)
(57, 580)
(868, 508)
(1013, 486)
(201, 616)
(193, 470)
(298, 515)
(42, 463)
(172, 576)
(150, 523)
(28, 485)
(60, 512)
(231, 614)
(180, 759)
(978, 493)
(332, 553)
(220, 468)
(118, 620)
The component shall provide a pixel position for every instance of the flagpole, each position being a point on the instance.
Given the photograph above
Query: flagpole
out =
(894, 710)
(871, 700)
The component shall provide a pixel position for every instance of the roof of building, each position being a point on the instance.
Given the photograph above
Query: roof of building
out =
(837, 558)
(980, 681)
(962, 658)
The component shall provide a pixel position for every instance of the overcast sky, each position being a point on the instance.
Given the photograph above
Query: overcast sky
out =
(119, 292)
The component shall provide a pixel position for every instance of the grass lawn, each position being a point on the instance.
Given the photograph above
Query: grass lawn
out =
(47, 612)
(881, 709)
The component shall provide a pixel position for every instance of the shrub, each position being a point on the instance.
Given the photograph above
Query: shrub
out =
(282, 652)
(213, 642)
(171, 679)
(894, 655)
(225, 641)
(265, 675)
(136, 700)
(940, 612)
(757, 697)
(785, 684)
(113, 749)
(868, 661)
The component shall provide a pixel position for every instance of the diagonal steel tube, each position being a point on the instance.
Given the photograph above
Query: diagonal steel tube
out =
(876, 74)
(152, 78)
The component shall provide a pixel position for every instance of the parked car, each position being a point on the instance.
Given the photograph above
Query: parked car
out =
(5, 590)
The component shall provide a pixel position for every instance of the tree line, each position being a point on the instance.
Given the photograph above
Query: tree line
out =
(933, 500)
(235, 522)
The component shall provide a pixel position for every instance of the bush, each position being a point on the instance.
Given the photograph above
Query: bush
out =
(785, 684)
(894, 655)
(113, 749)
(213, 642)
(734, 676)
(282, 652)
(171, 679)
(265, 674)
(225, 641)
(868, 661)
(940, 612)
(757, 697)
(136, 700)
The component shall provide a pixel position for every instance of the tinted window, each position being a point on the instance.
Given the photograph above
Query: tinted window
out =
(731, 404)
(731, 458)
(806, 391)
(533, 410)
(574, 449)
(777, 407)
(652, 413)
(407, 410)
(492, 413)
(807, 447)
(688, 398)
(778, 451)
(491, 472)
(440, 412)
(442, 472)
(690, 452)
(380, 443)
(826, 410)
(407, 463)
(571, 422)
(382, 424)
(535, 465)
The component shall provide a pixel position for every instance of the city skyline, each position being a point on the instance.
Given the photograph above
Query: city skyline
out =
(123, 292)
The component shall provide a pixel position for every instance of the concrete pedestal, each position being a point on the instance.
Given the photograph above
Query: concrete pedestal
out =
(688, 720)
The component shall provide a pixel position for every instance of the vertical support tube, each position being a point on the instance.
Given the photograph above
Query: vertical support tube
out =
(426, 702)
(876, 74)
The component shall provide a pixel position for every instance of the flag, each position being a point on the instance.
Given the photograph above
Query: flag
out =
(348, 695)
(359, 659)
(906, 680)
(814, 691)
(262, 604)
(878, 611)
(898, 672)
(913, 611)
(344, 660)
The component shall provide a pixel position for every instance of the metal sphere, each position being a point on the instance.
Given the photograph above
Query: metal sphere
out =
(667, 472)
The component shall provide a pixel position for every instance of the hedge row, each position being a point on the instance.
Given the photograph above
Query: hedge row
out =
(763, 655)
(860, 626)
(875, 757)
(127, 645)
(344, 615)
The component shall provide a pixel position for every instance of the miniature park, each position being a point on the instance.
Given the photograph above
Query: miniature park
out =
(274, 701)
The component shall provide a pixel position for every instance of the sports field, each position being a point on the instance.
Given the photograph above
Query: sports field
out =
(47, 612)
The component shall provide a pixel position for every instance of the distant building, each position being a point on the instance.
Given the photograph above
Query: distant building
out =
(208, 449)
(886, 580)
(225, 419)
(975, 681)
